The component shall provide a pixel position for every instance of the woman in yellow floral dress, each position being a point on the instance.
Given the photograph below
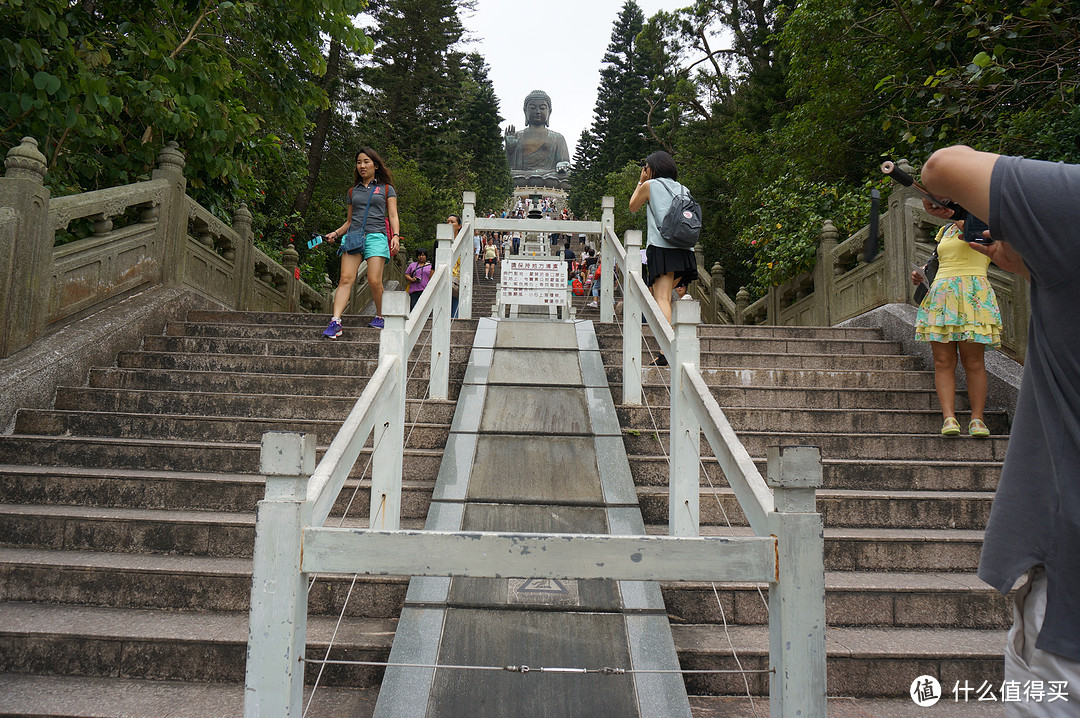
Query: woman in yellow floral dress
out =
(959, 315)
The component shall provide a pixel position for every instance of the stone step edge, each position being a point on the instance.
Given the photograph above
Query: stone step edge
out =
(216, 419)
(173, 443)
(147, 624)
(835, 581)
(887, 494)
(153, 625)
(826, 461)
(916, 535)
(52, 696)
(867, 643)
(173, 516)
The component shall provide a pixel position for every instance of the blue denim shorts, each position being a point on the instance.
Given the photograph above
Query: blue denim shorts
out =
(375, 245)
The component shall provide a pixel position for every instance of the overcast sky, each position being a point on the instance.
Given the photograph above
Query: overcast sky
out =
(555, 46)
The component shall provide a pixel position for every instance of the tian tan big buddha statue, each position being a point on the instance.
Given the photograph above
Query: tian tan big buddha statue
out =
(538, 156)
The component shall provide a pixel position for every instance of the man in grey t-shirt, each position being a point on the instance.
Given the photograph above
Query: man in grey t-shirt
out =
(1033, 209)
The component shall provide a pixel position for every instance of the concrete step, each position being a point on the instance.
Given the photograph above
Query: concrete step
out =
(867, 446)
(219, 380)
(656, 394)
(126, 530)
(174, 490)
(224, 403)
(176, 582)
(361, 365)
(846, 508)
(855, 378)
(317, 348)
(835, 362)
(876, 475)
(880, 549)
(853, 598)
(459, 335)
(874, 662)
(748, 332)
(168, 455)
(291, 319)
(80, 696)
(725, 344)
(198, 428)
(170, 645)
(842, 421)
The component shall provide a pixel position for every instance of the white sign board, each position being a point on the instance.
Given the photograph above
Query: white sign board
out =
(534, 281)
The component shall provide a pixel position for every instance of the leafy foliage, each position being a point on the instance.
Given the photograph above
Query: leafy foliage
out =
(104, 84)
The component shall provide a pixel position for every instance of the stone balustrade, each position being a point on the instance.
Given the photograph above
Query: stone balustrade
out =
(122, 240)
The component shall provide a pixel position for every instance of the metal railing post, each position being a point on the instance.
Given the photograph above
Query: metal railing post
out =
(684, 484)
(631, 363)
(465, 277)
(388, 444)
(797, 599)
(439, 383)
(277, 625)
(607, 262)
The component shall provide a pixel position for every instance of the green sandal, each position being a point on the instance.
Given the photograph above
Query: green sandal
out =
(978, 429)
(951, 427)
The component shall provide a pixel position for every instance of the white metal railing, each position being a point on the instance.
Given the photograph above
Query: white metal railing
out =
(783, 506)
(291, 543)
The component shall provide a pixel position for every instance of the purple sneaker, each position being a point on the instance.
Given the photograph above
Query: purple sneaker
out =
(333, 331)
(377, 322)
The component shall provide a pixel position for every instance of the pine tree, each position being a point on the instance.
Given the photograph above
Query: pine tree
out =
(479, 136)
(622, 110)
(416, 78)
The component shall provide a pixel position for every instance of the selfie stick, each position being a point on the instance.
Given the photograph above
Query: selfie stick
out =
(901, 177)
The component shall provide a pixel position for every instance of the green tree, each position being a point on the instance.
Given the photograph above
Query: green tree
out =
(622, 113)
(104, 84)
(481, 142)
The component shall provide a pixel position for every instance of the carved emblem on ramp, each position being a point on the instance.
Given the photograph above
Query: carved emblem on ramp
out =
(544, 591)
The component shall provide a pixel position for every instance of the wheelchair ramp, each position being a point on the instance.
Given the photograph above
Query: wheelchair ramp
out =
(535, 446)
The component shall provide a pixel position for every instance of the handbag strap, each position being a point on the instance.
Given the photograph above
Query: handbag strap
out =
(367, 207)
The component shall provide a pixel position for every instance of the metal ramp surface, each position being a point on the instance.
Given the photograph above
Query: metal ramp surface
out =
(535, 446)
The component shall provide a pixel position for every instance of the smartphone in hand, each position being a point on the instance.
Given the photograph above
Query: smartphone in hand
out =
(315, 241)
(973, 230)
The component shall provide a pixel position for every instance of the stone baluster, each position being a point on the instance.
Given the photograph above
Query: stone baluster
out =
(173, 223)
(244, 259)
(824, 276)
(742, 301)
(718, 289)
(290, 259)
(26, 241)
(899, 241)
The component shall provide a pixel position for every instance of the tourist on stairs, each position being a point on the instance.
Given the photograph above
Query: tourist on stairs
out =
(370, 230)
(667, 263)
(959, 314)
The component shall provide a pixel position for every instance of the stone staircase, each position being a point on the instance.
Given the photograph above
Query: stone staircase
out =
(127, 518)
(904, 508)
(127, 514)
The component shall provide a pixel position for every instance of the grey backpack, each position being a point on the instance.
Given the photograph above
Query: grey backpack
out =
(682, 223)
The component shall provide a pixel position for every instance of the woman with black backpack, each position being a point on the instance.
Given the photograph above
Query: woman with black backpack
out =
(667, 263)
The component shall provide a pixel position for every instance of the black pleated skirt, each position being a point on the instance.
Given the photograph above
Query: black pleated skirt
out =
(680, 261)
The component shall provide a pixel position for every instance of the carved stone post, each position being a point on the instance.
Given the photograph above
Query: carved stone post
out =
(26, 240)
(718, 289)
(173, 218)
(824, 276)
(742, 301)
(899, 241)
(290, 259)
(244, 260)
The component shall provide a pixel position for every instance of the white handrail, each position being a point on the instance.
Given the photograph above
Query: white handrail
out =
(331, 473)
(754, 496)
